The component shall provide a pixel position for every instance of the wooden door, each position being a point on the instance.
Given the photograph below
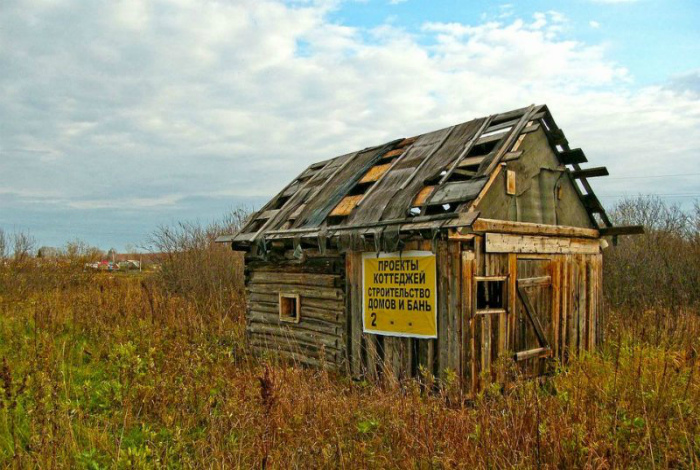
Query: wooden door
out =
(533, 337)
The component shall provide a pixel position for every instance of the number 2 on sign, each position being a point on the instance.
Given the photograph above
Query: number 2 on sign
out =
(374, 318)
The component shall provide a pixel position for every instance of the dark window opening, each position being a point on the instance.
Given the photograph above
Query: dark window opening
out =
(290, 308)
(360, 188)
(256, 225)
(462, 175)
(280, 202)
(440, 209)
(490, 294)
(435, 179)
(335, 219)
(483, 149)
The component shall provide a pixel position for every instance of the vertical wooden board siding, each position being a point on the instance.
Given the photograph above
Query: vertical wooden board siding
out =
(407, 357)
(466, 316)
(443, 297)
(601, 312)
(556, 293)
(427, 345)
(563, 307)
(389, 365)
(371, 356)
(498, 265)
(475, 344)
(354, 294)
(512, 299)
(592, 302)
(477, 320)
(486, 344)
(454, 332)
(582, 304)
(571, 320)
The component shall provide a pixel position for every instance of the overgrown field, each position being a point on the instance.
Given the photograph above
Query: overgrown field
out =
(103, 371)
(152, 371)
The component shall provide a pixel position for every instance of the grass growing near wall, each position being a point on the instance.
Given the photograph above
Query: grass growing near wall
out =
(101, 371)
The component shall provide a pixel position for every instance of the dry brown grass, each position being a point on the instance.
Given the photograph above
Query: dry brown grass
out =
(114, 371)
(105, 370)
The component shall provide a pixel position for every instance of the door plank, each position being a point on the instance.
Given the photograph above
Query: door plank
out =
(530, 310)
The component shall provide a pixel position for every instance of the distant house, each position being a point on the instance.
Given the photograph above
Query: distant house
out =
(444, 251)
(47, 252)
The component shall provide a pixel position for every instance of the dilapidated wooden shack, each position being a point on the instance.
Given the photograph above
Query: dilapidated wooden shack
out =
(443, 251)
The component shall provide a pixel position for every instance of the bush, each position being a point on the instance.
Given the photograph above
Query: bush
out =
(661, 268)
(194, 266)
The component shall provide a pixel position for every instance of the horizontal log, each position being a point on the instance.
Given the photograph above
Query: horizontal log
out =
(532, 353)
(331, 305)
(307, 291)
(305, 323)
(527, 228)
(292, 335)
(304, 279)
(590, 172)
(333, 317)
(334, 314)
(622, 230)
(506, 243)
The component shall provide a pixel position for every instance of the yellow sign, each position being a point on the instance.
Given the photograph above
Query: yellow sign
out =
(399, 294)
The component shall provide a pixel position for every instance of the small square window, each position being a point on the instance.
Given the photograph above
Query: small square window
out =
(290, 308)
(490, 294)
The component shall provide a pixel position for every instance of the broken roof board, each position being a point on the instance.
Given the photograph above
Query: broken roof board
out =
(310, 202)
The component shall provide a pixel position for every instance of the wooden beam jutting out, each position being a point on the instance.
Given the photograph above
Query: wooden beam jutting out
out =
(590, 172)
(573, 156)
(622, 230)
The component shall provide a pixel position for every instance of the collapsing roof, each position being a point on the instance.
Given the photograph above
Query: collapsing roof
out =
(422, 183)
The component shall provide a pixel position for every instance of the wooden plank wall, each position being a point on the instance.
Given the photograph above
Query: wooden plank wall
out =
(576, 297)
(376, 356)
(330, 331)
(319, 339)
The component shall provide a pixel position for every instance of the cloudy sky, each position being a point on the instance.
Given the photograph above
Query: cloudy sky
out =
(119, 115)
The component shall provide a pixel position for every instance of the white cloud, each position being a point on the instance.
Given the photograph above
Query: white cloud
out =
(396, 2)
(147, 103)
(594, 24)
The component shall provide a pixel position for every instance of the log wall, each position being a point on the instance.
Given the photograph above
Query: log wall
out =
(319, 339)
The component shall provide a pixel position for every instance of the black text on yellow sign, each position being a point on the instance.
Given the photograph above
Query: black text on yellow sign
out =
(399, 294)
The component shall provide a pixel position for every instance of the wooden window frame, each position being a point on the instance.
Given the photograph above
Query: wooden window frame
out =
(286, 298)
(503, 280)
